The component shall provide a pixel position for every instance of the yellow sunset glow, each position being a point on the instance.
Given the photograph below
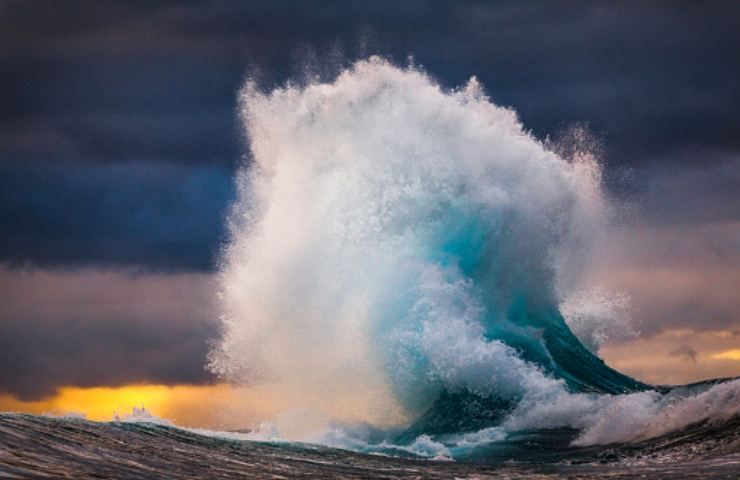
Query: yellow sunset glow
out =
(733, 354)
(218, 407)
(197, 406)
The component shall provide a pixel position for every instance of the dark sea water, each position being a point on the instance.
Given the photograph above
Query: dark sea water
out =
(48, 447)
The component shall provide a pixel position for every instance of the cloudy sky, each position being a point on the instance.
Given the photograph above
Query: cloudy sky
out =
(119, 138)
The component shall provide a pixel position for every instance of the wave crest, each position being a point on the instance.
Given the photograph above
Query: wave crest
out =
(398, 255)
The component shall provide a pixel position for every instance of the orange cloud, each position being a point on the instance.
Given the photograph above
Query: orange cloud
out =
(676, 356)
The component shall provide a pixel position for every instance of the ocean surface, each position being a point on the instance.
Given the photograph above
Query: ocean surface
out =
(48, 447)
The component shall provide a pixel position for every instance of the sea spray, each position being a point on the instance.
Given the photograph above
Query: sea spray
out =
(385, 226)
(397, 258)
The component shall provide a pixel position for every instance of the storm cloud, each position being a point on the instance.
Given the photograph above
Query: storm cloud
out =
(153, 216)
(119, 138)
(98, 82)
(96, 328)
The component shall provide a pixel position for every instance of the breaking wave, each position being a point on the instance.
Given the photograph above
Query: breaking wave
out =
(399, 258)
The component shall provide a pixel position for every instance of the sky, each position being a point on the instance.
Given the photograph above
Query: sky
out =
(119, 139)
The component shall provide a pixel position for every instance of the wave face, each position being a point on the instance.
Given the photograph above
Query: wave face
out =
(398, 256)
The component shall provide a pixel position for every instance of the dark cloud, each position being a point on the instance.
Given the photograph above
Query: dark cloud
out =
(684, 351)
(95, 328)
(689, 189)
(93, 82)
(156, 215)
(653, 77)
(679, 276)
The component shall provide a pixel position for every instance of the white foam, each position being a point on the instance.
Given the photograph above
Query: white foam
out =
(644, 416)
(605, 419)
(347, 279)
(338, 276)
(595, 315)
(140, 415)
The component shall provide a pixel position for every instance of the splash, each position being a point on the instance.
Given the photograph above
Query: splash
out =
(398, 256)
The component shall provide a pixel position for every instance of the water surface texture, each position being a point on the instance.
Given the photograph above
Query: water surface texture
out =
(44, 447)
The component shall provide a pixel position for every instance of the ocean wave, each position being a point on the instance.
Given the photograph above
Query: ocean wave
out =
(399, 257)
